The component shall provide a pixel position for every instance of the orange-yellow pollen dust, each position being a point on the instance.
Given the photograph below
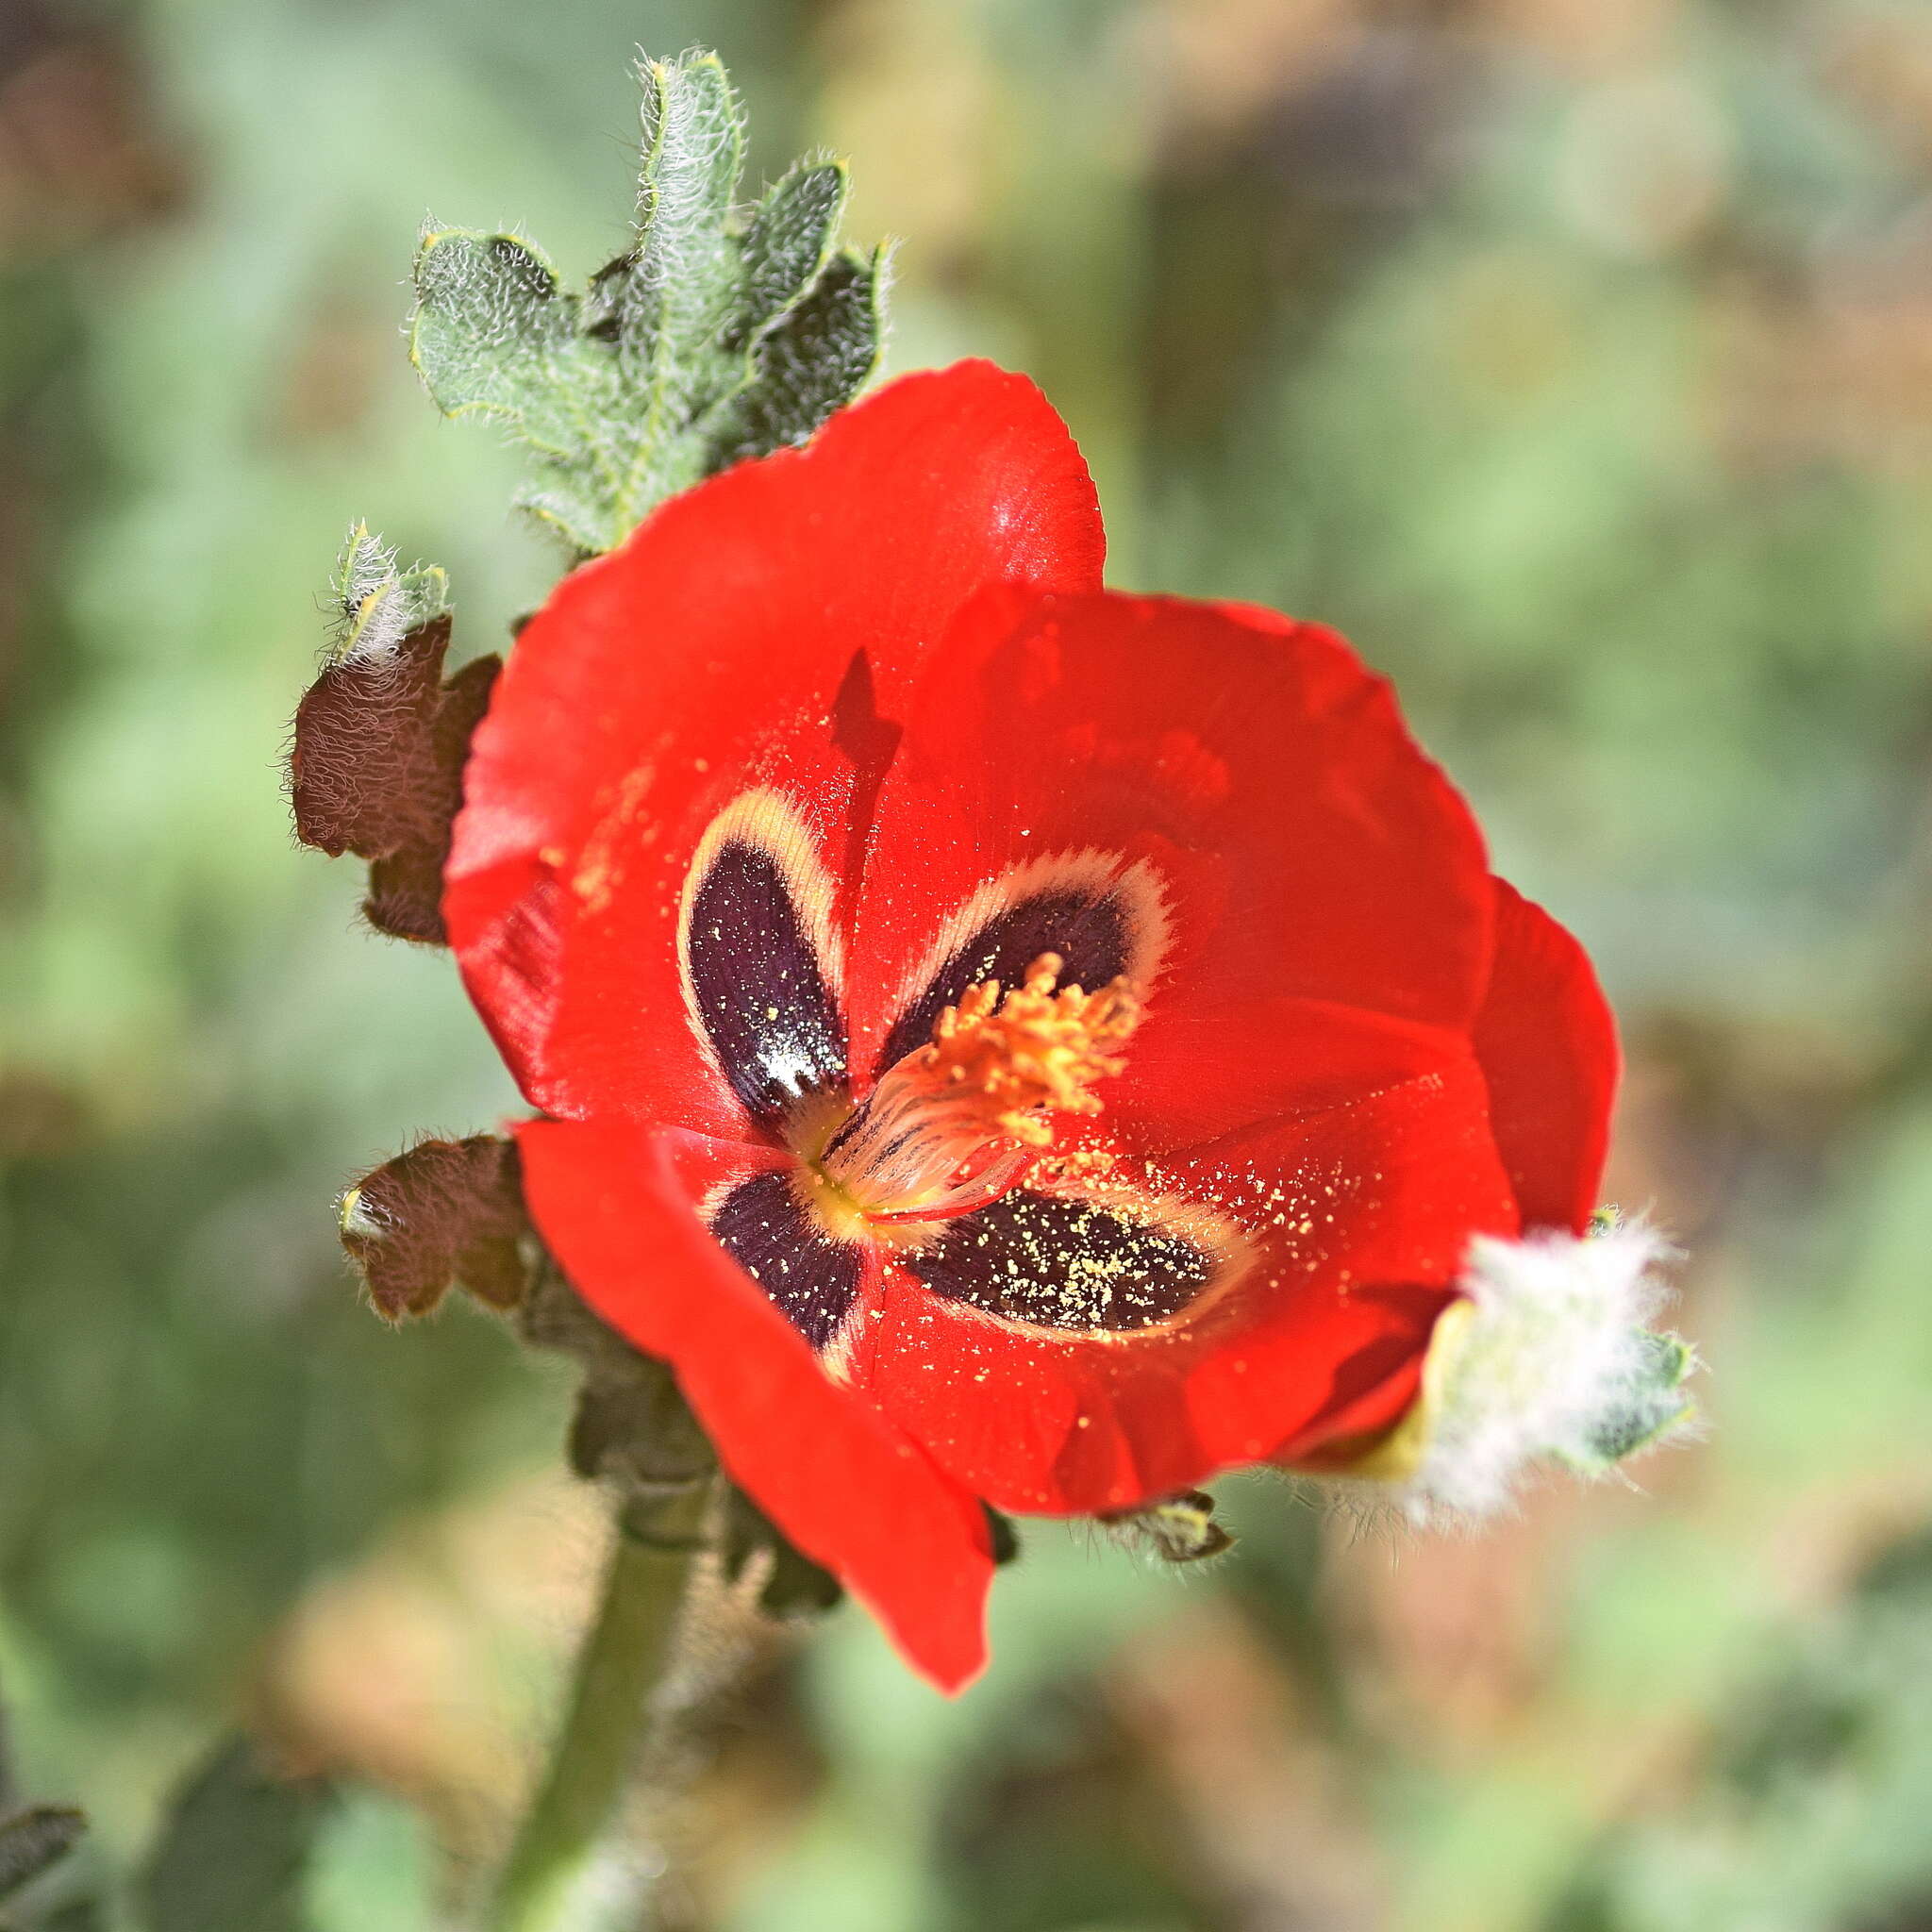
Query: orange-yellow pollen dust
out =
(1016, 1060)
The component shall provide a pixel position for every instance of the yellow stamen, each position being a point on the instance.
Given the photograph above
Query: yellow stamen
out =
(1015, 1061)
(961, 1119)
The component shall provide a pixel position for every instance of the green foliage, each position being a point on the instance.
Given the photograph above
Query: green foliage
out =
(707, 341)
(377, 605)
(76, 1915)
(810, 361)
(1811, 1809)
(1641, 534)
(234, 1852)
(1650, 1404)
(33, 1841)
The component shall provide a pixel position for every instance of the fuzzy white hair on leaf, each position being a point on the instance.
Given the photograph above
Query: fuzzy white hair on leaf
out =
(377, 605)
(1549, 1358)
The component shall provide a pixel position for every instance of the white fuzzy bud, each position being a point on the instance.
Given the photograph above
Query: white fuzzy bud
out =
(1549, 1358)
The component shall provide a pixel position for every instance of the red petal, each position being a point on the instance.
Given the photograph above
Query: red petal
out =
(616, 1204)
(1361, 1216)
(1548, 1043)
(1307, 849)
(758, 630)
(1195, 1076)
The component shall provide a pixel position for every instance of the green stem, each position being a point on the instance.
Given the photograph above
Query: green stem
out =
(623, 1658)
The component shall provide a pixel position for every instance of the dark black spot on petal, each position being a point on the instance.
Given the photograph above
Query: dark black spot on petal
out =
(758, 985)
(1090, 931)
(762, 1226)
(1065, 1263)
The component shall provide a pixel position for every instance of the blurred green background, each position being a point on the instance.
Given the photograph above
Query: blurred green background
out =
(1573, 356)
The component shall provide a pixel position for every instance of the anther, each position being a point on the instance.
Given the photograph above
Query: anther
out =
(1037, 1051)
(958, 1121)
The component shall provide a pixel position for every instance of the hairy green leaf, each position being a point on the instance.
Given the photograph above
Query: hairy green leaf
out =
(377, 605)
(787, 245)
(814, 360)
(684, 267)
(1653, 1403)
(709, 340)
(495, 335)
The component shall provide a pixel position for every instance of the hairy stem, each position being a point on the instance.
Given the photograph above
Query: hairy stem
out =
(624, 1659)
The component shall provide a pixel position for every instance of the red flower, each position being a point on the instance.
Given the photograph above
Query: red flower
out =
(999, 1039)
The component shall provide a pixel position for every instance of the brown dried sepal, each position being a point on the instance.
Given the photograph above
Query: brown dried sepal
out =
(446, 1214)
(377, 768)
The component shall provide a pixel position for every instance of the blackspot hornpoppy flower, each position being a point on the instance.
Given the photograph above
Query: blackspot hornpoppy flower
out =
(1004, 1042)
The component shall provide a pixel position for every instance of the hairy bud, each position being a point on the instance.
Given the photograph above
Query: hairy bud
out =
(1177, 1529)
(447, 1213)
(1549, 1358)
(376, 765)
(789, 1585)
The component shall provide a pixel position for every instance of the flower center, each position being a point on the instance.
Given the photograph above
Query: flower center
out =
(958, 1121)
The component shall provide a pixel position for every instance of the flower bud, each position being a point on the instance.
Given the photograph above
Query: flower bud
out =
(1548, 1359)
(376, 763)
(445, 1213)
(789, 1583)
(1177, 1529)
